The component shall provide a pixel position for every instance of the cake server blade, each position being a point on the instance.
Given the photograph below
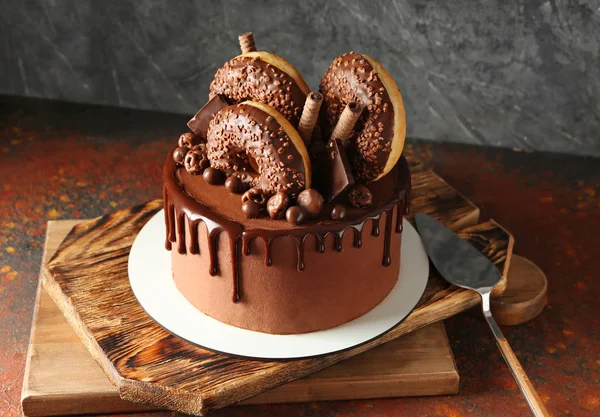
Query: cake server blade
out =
(464, 266)
(454, 258)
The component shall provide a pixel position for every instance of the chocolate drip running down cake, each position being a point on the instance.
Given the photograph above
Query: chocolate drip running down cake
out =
(283, 210)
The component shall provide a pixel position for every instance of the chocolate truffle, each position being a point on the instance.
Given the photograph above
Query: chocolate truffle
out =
(193, 162)
(189, 140)
(251, 209)
(179, 154)
(360, 196)
(277, 205)
(295, 215)
(311, 201)
(338, 212)
(213, 176)
(235, 185)
(255, 194)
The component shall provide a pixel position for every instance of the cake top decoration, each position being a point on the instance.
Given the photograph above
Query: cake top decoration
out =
(263, 134)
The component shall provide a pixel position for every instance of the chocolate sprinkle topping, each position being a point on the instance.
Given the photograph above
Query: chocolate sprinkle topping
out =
(250, 78)
(245, 141)
(351, 78)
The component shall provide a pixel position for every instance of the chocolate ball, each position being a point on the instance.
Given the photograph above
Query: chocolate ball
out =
(251, 209)
(338, 212)
(201, 147)
(277, 205)
(255, 194)
(235, 185)
(189, 140)
(295, 215)
(193, 162)
(213, 176)
(311, 201)
(179, 154)
(204, 163)
(360, 196)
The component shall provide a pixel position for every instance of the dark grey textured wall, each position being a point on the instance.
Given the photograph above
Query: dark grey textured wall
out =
(516, 73)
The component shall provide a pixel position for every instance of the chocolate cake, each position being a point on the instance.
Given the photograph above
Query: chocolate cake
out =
(284, 211)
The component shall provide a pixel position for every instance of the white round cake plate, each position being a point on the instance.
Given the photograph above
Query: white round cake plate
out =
(152, 283)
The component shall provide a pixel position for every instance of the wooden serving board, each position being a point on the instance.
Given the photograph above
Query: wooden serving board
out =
(62, 378)
(87, 278)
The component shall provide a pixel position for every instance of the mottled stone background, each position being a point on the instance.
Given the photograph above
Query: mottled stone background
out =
(515, 73)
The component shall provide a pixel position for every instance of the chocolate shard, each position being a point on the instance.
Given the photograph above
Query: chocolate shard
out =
(199, 123)
(334, 172)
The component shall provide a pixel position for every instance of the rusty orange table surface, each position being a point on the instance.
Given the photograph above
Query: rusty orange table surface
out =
(63, 161)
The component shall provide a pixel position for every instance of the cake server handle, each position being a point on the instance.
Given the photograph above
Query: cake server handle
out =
(533, 400)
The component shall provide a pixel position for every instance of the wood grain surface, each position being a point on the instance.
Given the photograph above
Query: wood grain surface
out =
(62, 378)
(87, 278)
(525, 295)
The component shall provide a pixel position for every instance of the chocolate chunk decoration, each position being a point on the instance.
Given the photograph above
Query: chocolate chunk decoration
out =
(235, 185)
(277, 205)
(360, 196)
(338, 212)
(311, 201)
(334, 170)
(201, 151)
(199, 123)
(195, 162)
(251, 209)
(189, 140)
(179, 154)
(213, 176)
(295, 215)
(257, 195)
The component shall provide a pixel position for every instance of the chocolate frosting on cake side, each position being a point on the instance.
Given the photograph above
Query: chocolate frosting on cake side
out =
(190, 200)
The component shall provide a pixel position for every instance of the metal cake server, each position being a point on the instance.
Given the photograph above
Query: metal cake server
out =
(464, 266)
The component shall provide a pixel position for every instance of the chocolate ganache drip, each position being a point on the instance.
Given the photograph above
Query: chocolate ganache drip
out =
(182, 209)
